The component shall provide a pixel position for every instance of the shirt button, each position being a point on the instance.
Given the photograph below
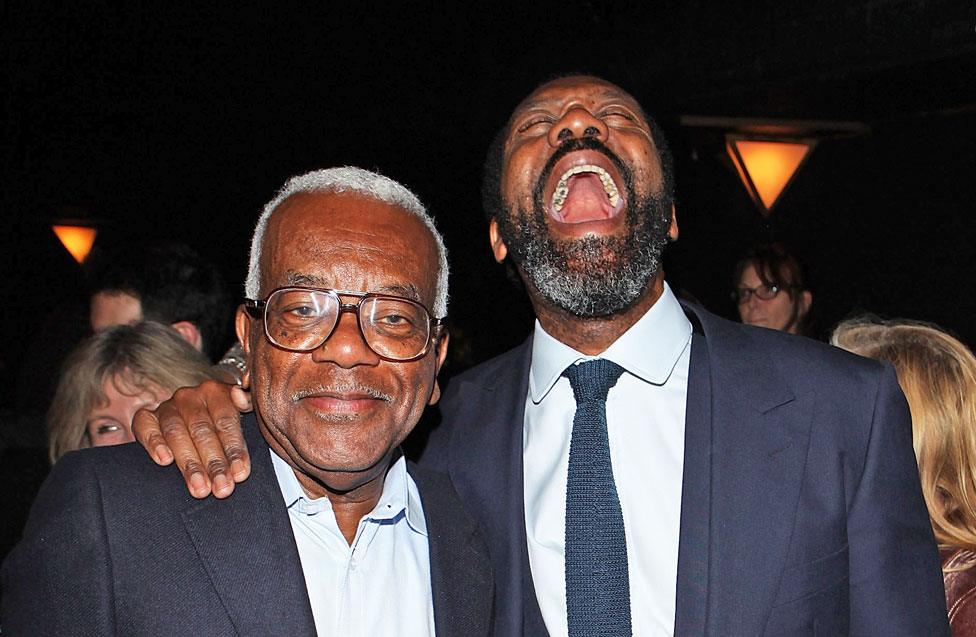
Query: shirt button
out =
(352, 565)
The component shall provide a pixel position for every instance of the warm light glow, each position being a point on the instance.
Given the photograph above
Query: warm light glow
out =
(766, 167)
(77, 240)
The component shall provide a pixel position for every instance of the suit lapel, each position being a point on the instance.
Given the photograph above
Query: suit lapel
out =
(460, 567)
(692, 586)
(247, 546)
(486, 468)
(759, 434)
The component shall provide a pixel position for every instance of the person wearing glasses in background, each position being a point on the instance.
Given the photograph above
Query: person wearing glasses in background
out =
(770, 291)
(334, 533)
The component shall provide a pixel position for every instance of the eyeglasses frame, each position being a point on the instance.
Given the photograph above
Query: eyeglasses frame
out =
(258, 309)
(742, 299)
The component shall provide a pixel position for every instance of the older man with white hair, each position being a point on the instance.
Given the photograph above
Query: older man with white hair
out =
(335, 533)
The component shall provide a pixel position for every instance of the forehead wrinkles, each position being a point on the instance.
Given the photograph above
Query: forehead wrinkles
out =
(574, 89)
(351, 236)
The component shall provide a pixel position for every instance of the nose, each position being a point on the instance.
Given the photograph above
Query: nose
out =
(576, 123)
(751, 303)
(346, 346)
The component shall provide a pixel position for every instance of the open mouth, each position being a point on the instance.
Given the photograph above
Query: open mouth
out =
(584, 192)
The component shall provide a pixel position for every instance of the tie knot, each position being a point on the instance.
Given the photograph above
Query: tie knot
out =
(592, 380)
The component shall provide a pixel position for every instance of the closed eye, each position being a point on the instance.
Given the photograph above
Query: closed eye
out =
(536, 121)
(620, 113)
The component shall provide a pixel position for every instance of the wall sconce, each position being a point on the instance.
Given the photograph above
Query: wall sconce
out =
(768, 153)
(76, 239)
(766, 167)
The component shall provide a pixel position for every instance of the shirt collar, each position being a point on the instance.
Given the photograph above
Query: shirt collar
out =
(650, 349)
(400, 495)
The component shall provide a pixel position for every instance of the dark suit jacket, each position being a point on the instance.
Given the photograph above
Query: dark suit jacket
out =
(801, 507)
(115, 545)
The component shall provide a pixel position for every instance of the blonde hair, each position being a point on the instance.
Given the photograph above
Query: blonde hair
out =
(145, 354)
(938, 375)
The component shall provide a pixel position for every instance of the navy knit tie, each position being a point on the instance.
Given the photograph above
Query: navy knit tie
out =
(597, 585)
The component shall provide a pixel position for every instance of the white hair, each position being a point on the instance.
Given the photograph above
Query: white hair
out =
(350, 179)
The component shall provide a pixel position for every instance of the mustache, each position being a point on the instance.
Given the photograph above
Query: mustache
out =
(571, 146)
(342, 388)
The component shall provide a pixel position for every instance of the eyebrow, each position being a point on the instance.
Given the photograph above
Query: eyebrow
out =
(310, 280)
(605, 93)
(406, 290)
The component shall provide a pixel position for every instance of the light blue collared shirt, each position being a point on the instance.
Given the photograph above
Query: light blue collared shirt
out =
(380, 585)
(646, 424)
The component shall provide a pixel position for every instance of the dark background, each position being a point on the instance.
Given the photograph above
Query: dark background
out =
(172, 123)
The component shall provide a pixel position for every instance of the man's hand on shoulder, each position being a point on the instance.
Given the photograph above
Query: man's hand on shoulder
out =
(200, 428)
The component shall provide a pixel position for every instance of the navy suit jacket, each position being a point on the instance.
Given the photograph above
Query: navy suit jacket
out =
(801, 509)
(115, 545)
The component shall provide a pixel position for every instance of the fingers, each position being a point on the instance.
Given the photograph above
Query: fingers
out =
(241, 398)
(182, 421)
(145, 427)
(199, 428)
(215, 428)
(229, 431)
(223, 448)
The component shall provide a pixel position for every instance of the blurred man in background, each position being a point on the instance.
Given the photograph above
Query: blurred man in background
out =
(171, 284)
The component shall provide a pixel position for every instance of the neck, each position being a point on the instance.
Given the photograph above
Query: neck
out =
(353, 494)
(349, 506)
(592, 336)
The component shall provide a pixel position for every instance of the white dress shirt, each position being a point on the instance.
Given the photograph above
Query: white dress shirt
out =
(380, 585)
(646, 425)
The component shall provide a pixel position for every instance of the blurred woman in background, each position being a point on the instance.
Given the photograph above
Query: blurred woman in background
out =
(112, 375)
(938, 375)
(770, 291)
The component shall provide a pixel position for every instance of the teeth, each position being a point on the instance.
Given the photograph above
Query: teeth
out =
(562, 186)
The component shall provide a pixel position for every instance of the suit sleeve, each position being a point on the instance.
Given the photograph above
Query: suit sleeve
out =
(895, 573)
(57, 580)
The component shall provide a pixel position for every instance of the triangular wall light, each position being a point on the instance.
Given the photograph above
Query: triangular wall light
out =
(767, 166)
(77, 240)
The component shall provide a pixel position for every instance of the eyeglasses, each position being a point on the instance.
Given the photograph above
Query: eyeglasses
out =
(763, 292)
(302, 319)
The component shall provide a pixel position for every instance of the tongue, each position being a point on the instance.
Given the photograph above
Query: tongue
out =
(586, 200)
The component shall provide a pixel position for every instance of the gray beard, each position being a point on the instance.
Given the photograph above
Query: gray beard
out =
(592, 276)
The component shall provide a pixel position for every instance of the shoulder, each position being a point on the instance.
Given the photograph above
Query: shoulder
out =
(479, 397)
(86, 468)
(801, 361)
(87, 495)
(108, 479)
(960, 588)
(127, 466)
(492, 372)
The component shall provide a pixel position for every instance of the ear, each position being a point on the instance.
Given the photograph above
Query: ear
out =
(190, 333)
(673, 230)
(441, 357)
(498, 247)
(806, 300)
(242, 325)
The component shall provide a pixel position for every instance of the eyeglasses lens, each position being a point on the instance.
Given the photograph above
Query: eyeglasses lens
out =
(763, 292)
(394, 328)
(301, 320)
